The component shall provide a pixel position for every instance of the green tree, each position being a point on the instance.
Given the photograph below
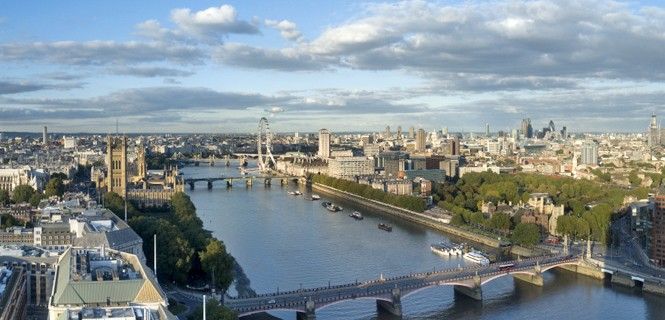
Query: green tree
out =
(9, 221)
(216, 261)
(59, 175)
(500, 221)
(54, 187)
(526, 234)
(174, 252)
(4, 197)
(22, 193)
(35, 199)
(214, 311)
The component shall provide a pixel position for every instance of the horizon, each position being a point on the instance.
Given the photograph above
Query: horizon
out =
(212, 66)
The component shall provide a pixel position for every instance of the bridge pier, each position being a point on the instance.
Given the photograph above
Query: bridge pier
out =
(267, 181)
(475, 292)
(209, 184)
(284, 181)
(191, 185)
(249, 182)
(393, 307)
(229, 183)
(309, 313)
(535, 278)
(622, 279)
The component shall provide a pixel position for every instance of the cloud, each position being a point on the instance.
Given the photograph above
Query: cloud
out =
(287, 59)
(100, 52)
(208, 25)
(274, 110)
(12, 87)
(537, 39)
(150, 72)
(286, 28)
(7, 87)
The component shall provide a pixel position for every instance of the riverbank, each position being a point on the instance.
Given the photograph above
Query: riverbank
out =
(421, 219)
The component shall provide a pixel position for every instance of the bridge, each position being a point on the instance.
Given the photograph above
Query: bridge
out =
(249, 180)
(389, 292)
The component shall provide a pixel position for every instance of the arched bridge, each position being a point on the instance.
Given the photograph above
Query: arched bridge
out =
(389, 292)
(249, 180)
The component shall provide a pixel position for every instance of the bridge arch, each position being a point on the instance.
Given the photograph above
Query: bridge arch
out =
(249, 313)
(406, 293)
(326, 305)
(568, 263)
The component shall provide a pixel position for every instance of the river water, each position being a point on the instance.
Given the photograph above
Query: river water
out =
(284, 242)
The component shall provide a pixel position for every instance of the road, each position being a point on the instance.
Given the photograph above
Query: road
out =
(383, 287)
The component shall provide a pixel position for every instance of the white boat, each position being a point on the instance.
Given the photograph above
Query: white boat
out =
(315, 197)
(295, 193)
(477, 258)
(440, 250)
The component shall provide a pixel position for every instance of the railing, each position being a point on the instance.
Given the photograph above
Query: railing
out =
(327, 294)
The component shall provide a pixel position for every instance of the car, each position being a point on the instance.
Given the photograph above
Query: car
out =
(272, 301)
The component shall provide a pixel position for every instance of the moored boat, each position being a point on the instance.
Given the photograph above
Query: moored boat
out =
(477, 257)
(385, 227)
(356, 215)
(315, 197)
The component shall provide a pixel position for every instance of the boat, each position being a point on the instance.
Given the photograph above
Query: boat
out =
(295, 193)
(356, 215)
(385, 227)
(477, 257)
(331, 207)
(440, 250)
(315, 197)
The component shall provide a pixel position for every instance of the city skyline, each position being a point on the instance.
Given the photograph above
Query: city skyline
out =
(211, 66)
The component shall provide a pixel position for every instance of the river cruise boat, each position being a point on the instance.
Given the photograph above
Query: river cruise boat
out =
(295, 193)
(447, 250)
(477, 257)
(385, 227)
(315, 197)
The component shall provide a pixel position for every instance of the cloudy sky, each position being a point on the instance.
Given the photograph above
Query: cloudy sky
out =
(210, 66)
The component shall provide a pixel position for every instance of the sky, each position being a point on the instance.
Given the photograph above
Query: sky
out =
(218, 67)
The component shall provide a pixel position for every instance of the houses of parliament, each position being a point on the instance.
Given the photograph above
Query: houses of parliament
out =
(127, 175)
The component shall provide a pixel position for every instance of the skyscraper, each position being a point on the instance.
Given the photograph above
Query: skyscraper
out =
(487, 129)
(387, 134)
(421, 140)
(45, 136)
(653, 134)
(590, 153)
(412, 133)
(551, 126)
(399, 132)
(324, 144)
(527, 129)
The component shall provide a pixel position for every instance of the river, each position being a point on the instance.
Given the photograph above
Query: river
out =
(284, 242)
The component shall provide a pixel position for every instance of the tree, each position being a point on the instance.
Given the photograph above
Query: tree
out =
(59, 175)
(526, 234)
(4, 197)
(9, 221)
(500, 221)
(214, 311)
(174, 254)
(216, 261)
(54, 187)
(22, 193)
(35, 199)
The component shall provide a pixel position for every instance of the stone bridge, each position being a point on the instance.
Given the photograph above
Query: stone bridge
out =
(389, 292)
(249, 180)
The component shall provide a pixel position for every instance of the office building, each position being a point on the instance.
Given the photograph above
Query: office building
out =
(412, 133)
(350, 167)
(657, 253)
(45, 136)
(589, 155)
(653, 133)
(421, 140)
(105, 282)
(324, 144)
(13, 293)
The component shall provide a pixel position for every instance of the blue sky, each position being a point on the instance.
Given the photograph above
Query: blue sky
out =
(210, 66)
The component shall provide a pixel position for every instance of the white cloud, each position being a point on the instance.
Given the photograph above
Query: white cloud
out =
(286, 28)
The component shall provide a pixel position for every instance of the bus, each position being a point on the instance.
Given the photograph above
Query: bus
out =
(506, 266)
